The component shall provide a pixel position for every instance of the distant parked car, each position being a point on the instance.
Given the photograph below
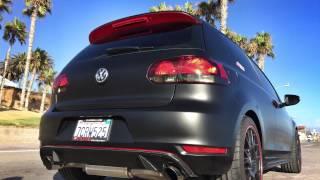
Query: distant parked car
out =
(166, 96)
(309, 138)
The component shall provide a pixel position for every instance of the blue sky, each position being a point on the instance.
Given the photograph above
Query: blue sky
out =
(294, 26)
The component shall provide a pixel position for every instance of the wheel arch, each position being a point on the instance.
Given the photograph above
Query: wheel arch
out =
(256, 120)
(294, 124)
(254, 113)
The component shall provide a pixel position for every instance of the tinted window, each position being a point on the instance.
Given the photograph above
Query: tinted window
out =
(216, 45)
(190, 37)
(266, 84)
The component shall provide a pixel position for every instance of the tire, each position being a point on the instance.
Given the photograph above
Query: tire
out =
(238, 168)
(294, 164)
(77, 174)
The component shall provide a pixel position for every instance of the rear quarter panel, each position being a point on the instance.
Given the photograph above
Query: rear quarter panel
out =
(248, 93)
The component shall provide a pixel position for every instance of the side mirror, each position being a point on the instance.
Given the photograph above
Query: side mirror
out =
(290, 100)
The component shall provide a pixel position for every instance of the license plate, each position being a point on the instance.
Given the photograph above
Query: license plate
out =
(93, 130)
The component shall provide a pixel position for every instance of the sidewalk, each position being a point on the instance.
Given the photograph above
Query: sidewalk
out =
(18, 138)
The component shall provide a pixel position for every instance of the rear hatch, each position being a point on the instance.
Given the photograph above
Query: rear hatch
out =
(127, 60)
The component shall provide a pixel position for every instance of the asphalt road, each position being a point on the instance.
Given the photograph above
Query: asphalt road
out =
(25, 164)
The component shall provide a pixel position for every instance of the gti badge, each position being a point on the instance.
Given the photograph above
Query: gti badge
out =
(102, 75)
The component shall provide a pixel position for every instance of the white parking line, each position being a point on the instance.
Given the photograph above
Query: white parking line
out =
(19, 151)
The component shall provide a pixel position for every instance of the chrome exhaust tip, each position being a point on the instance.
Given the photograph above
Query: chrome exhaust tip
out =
(54, 161)
(174, 173)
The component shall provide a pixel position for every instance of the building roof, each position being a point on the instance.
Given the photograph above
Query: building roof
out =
(9, 83)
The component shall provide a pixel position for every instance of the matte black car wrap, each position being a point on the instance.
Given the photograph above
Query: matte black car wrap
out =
(170, 126)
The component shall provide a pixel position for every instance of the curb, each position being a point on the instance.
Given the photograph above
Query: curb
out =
(14, 136)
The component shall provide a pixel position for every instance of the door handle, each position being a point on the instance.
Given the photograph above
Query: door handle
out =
(275, 104)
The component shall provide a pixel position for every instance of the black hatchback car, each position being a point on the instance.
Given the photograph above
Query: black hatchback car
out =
(166, 96)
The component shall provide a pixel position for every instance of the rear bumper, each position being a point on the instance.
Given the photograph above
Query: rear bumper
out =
(79, 156)
(132, 158)
(157, 129)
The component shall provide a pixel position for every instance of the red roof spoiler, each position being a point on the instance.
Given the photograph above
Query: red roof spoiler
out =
(140, 25)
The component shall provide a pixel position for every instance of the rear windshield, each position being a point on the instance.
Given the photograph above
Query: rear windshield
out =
(190, 37)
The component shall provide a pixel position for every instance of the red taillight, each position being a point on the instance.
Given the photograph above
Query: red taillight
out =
(191, 149)
(61, 81)
(186, 69)
(165, 68)
(149, 23)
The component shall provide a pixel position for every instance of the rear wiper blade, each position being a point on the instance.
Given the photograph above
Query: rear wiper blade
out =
(127, 49)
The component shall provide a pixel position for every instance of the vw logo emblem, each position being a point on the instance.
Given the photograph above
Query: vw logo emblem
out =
(102, 75)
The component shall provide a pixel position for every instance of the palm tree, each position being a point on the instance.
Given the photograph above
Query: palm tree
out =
(210, 11)
(5, 7)
(12, 72)
(40, 60)
(224, 15)
(45, 78)
(15, 30)
(16, 66)
(264, 47)
(34, 9)
(161, 7)
(188, 8)
(240, 40)
(251, 48)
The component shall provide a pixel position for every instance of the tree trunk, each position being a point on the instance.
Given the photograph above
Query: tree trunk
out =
(224, 16)
(6, 63)
(9, 76)
(260, 61)
(29, 54)
(43, 99)
(33, 76)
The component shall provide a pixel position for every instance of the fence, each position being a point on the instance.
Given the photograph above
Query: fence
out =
(11, 98)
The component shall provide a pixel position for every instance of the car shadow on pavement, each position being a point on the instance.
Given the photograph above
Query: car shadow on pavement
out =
(57, 176)
(13, 178)
(276, 169)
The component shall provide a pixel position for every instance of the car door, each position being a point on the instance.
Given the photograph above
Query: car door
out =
(282, 128)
